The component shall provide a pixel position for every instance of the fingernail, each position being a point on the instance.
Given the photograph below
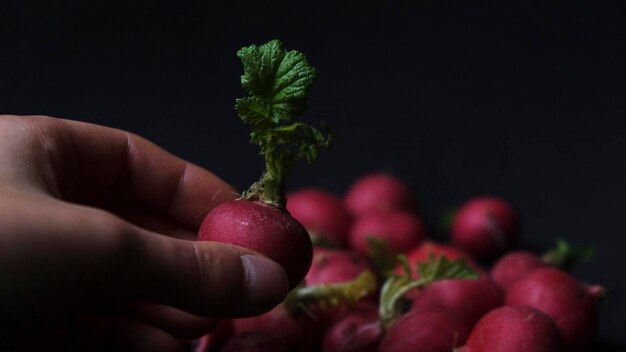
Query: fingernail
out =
(266, 282)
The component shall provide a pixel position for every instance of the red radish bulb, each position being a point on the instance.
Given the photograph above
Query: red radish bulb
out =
(429, 329)
(256, 342)
(570, 304)
(353, 329)
(378, 192)
(322, 213)
(300, 332)
(485, 227)
(513, 266)
(422, 253)
(335, 266)
(470, 299)
(514, 329)
(399, 230)
(262, 228)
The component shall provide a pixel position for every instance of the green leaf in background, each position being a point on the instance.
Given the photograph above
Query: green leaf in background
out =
(566, 256)
(385, 261)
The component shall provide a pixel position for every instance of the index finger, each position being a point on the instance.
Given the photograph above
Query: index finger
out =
(101, 164)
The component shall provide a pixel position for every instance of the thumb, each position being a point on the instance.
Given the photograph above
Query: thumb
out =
(205, 278)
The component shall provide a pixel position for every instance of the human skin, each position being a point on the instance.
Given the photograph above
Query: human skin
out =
(97, 249)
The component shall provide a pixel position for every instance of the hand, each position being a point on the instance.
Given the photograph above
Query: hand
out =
(95, 243)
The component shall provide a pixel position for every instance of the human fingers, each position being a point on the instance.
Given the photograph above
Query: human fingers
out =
(174, 321)
(115, 333)
(90, 251)
(97, 165)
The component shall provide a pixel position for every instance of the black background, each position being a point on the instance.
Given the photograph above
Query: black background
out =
(523, 99)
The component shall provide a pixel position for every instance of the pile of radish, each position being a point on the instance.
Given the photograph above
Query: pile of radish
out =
(364, 273)
(520, 301)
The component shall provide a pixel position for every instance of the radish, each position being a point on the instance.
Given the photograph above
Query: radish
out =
(325, 301)
(469, 299)
(378, 192)
(299, 332)
(323, 214)
(514, 329)
(365, 339)
(300, 318)
(265, 229)
(485, 227)
(429, 329)
(362, 330)
(399, 230)
(513, 266)
(259, 219)
(335, 266)
(422, 254)
(517, 264)
(256, 342)
(570, 304)
(354, 330)
(393, 296)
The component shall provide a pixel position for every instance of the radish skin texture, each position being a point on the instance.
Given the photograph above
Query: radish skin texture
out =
(344, 332)
(262, 228)
(485, 227)
(399, 230)
(331, 266)
(430, 329)
(571, 305)
(256, 342)
(514, 329)
(321, 213)
(300, 333)
(378, 192)
(470, 299)
(514, 266)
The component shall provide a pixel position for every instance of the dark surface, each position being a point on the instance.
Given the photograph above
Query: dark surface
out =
(525, 99)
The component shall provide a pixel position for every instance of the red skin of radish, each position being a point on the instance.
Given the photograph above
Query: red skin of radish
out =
(422, 254)
(570, 304)
(355, 330)
(262, 228)
(514, 329)
(470, 299)
(430, 329)
(513, 266)
(331, 266)
(300, 333)
(256, 342)
(485, 227)
(400, 230)
(321, 213)
(378, 192)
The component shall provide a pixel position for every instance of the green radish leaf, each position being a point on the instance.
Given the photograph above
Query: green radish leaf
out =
(278, 82)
